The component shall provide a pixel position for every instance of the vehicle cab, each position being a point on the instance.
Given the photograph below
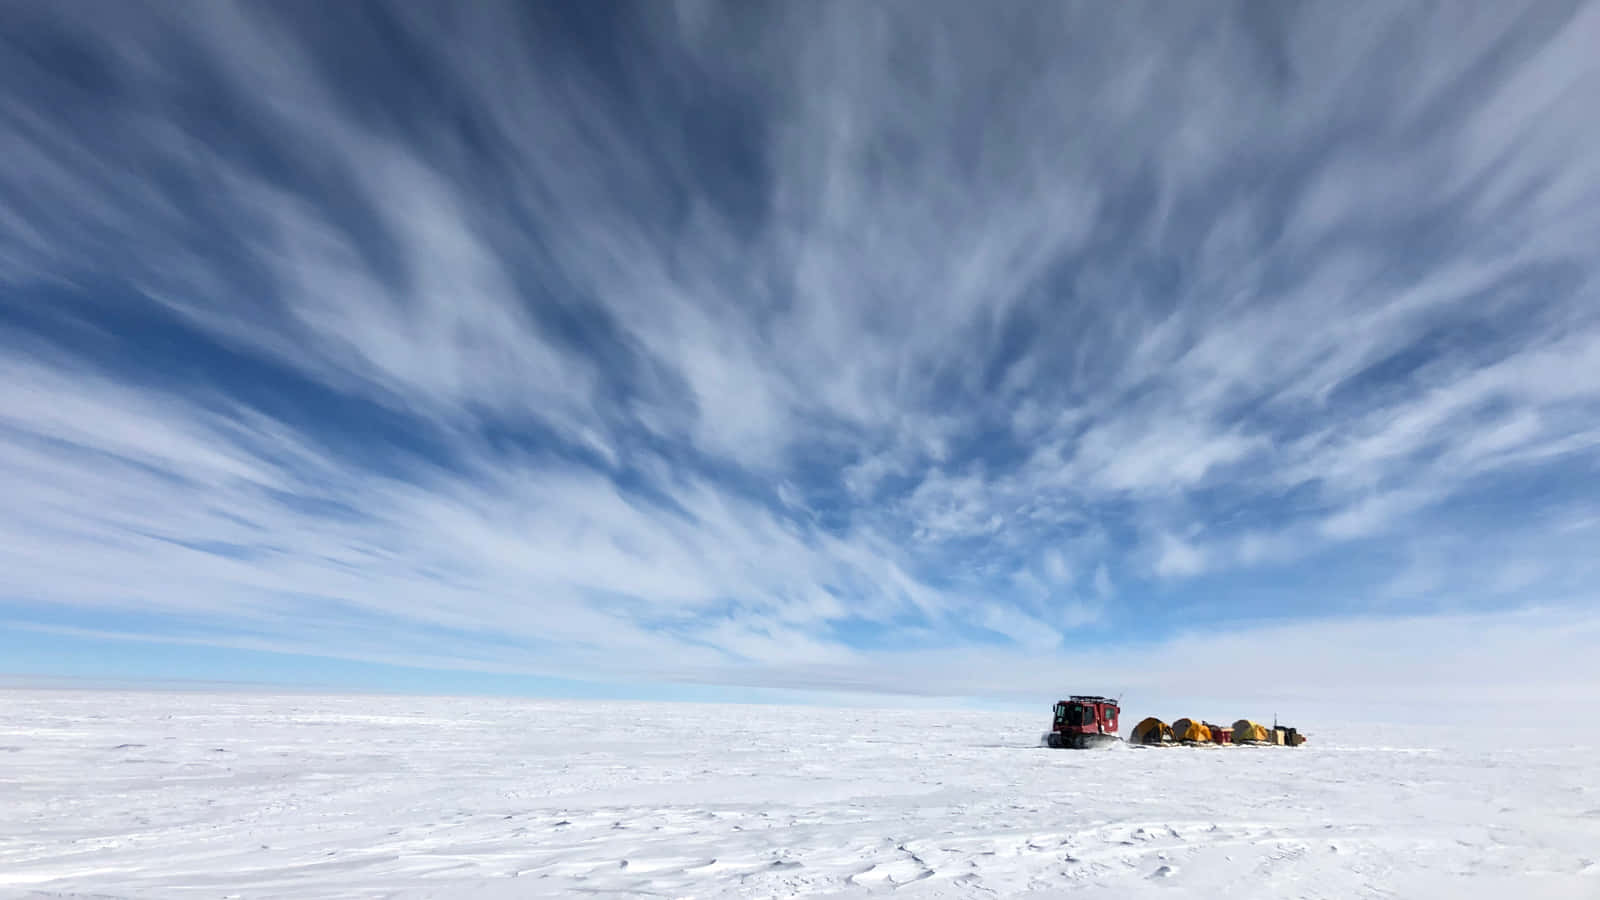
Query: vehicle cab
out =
(1083, 715)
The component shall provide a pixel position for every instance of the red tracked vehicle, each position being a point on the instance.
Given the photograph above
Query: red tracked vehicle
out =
(1083, 722)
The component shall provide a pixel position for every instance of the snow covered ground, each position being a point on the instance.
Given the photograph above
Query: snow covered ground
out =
(213, 795)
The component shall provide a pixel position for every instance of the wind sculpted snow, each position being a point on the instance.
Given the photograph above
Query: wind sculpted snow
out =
(175, 795)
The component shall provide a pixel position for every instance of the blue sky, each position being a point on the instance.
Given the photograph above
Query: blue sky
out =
(913, 349)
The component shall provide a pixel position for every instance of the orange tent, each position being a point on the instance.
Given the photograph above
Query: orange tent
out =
(1191, 730)
(1151, 731)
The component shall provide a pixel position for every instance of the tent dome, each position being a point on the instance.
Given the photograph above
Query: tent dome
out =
(1151, 731)
(1246, 730)
(1191, 730)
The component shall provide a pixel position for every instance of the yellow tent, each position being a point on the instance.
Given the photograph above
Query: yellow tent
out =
(1191, 730)
(1151, 731)
(1246, 730)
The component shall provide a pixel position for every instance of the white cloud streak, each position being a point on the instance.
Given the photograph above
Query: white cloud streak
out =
(941, 324)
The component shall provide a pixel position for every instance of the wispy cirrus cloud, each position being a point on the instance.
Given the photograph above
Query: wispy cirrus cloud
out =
(745, 337)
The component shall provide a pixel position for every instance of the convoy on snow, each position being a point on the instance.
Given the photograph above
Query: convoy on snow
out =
(1085, 720)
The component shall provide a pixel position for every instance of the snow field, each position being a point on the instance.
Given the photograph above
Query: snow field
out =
(125, 794)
